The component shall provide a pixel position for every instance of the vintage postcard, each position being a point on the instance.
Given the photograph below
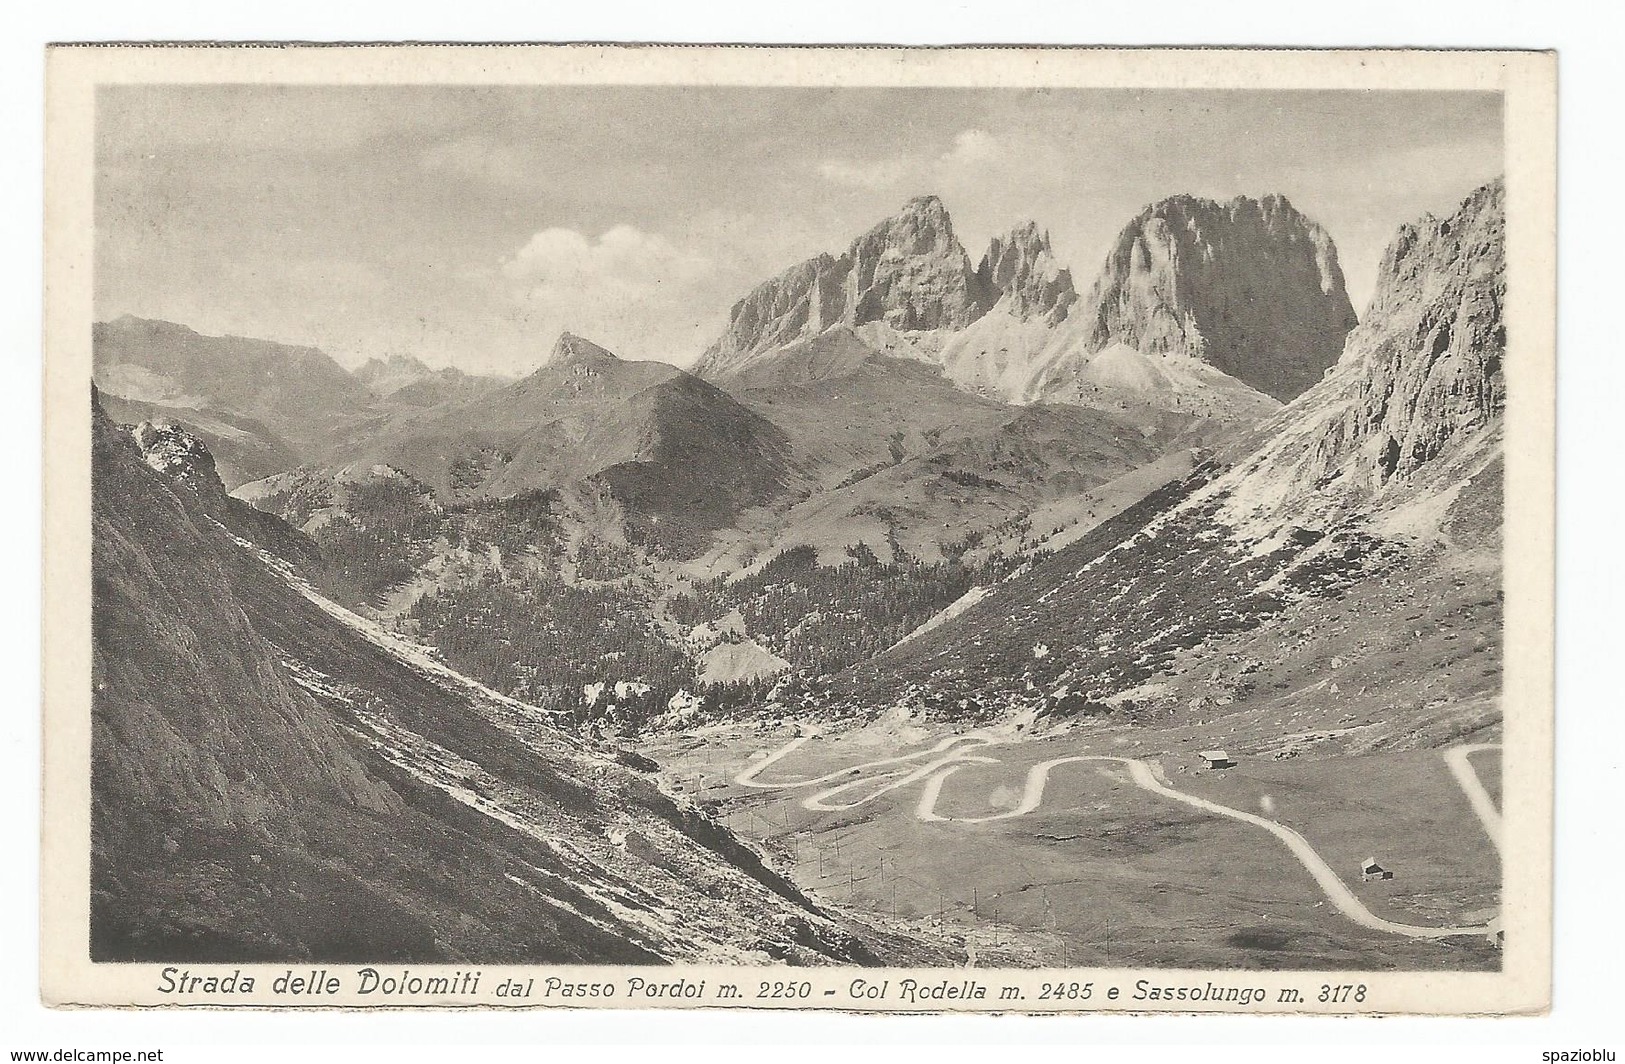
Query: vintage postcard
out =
(1018, 530)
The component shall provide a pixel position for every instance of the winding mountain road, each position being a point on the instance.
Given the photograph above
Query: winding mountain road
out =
(1467, 777)
(958, 750)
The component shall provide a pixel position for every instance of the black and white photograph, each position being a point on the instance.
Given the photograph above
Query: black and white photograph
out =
(590, 528)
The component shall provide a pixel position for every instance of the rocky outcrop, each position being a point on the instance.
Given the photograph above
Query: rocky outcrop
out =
(1020, 272)
(183, 459)
(180, 456)
(571, 351)
(909, 272)
(1252, 287)
(1422, 371)
(1428, 358)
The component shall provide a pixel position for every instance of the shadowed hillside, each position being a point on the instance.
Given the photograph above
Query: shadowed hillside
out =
(273, 778)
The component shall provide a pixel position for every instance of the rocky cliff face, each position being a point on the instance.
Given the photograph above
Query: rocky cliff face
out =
(909, 272)
(1428, 358)
(1252, 287)
(1033, 346)
(1422, 372)
(1020, 270)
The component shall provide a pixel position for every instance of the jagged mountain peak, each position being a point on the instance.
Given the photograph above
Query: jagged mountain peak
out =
(907, 271)
(925, 214)
(391, 361)
(1019, 270)
(1420, 376)
(1251, 286)
(573, 350)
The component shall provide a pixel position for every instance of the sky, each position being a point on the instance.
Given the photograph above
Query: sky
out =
(469, 226)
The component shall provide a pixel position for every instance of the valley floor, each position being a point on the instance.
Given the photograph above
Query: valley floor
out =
(1112, 845)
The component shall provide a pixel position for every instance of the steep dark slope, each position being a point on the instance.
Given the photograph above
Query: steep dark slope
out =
(1360, 534)
(274, 779)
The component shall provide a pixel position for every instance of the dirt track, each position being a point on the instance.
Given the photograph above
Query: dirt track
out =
(957, 750)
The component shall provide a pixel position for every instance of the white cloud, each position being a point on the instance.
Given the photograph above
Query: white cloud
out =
(972, 147)
(624, 261)
(629, 290)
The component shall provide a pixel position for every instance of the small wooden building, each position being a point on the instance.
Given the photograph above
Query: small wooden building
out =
(1370, 869)
(1216, 759)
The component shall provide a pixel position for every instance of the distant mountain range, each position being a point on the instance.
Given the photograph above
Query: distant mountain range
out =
(1358, 530)
(299, 393)
(1203, 311)
(404, 379)
(1251, 289)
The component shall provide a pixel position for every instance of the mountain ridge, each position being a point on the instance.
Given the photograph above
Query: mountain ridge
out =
(306, 398)
(278, 780)
(1178, 282)
(908, 270)
(1323, 503)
